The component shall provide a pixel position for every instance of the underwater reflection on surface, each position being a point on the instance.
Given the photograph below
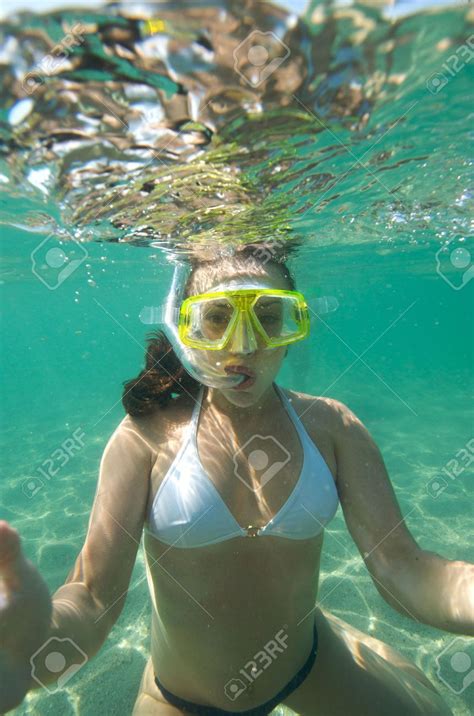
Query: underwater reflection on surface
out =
(224, 124)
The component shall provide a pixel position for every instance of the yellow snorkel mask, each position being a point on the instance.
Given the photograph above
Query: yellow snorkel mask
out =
(233, 316)
(243, 319)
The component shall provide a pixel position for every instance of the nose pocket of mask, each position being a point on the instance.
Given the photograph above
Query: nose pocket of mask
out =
(243, 337)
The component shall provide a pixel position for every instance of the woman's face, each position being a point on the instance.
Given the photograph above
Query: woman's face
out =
(241, 350)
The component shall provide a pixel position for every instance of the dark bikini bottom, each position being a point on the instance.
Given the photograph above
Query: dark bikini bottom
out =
(263, 709)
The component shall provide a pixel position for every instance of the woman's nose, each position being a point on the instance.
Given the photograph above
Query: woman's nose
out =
(243, 339)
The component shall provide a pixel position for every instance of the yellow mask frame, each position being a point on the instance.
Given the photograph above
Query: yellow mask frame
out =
(243, 309)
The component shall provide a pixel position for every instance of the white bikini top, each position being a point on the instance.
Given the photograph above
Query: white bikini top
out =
(188, 511)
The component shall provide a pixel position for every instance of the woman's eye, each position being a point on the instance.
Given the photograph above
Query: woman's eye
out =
(269, 319)
(216, 318)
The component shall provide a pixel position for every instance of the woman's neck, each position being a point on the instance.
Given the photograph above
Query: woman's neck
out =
(248, 414)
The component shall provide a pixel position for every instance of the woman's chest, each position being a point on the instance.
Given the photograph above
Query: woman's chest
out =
(253, 473)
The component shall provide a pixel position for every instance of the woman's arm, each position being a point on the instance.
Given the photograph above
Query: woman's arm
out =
(433, 590)
(86, 607)
(96, 587)
(417, 583)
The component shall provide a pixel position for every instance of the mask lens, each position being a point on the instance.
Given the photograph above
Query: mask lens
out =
(209, 320)
(278, 316)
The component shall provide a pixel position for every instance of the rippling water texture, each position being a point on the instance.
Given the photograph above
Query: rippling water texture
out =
(341, 139)
(169, 131)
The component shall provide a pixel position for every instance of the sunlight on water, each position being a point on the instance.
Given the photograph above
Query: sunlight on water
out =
(187, 142)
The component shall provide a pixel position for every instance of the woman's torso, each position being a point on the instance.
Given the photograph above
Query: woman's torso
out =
(217, 605)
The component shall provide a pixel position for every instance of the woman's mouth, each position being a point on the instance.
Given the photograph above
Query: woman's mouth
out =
(246, 383)
(248, 376)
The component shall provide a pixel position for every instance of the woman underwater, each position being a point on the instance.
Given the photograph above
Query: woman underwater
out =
(234, 481)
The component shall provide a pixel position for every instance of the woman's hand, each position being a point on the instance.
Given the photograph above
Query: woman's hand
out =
(25, 617)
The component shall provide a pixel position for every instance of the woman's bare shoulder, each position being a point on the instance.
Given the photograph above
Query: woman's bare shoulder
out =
(318, 415)
(157, 426)
(336, 416)
(317, 405)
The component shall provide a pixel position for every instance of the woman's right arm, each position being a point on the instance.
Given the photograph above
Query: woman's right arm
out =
(86, 607)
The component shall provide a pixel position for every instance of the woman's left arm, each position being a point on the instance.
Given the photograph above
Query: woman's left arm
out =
(417, 583)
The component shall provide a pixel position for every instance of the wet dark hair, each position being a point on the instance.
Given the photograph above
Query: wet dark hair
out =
(164, 376)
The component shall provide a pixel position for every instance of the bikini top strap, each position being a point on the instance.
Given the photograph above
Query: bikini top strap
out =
(196, 411)
(300, 428)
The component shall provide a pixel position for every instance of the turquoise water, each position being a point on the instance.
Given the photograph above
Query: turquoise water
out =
(370, 207)
(65, 362)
